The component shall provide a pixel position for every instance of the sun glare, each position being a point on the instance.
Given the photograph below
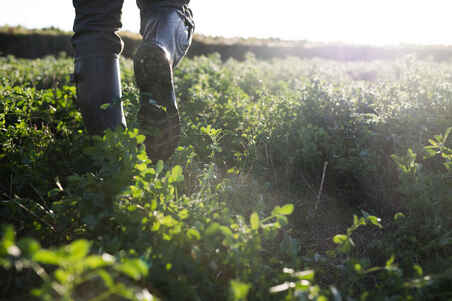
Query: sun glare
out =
(356, 21)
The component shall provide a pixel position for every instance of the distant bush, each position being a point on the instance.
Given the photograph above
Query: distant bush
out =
(36, 43)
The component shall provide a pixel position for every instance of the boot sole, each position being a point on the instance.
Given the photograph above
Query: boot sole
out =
(158, 116)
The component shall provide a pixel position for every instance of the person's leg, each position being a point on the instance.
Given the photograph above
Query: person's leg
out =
(147, 6)
(97, 48)
(167, 28)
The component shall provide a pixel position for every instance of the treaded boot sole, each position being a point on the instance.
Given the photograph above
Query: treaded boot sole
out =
(158, 116)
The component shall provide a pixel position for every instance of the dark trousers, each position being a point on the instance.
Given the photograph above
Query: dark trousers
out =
(97, 22)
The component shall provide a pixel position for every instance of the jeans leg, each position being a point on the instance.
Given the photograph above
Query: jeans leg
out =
(95, 26)
(146, 7)
(143, 3)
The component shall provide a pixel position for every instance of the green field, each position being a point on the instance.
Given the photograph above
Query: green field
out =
(294, 180)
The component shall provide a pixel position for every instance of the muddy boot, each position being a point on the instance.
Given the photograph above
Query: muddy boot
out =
(99, 93)
(167, 34)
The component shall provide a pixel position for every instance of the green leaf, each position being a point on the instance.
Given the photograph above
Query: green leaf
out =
(95, 262)
(239, 290)
(168, 221)
(106, 278)
(355, 219)
(47, 257)
(155, 226)
(213, 229)
(399, 215)
(276, 211)
(78, 249)
(142, 156)
(193, 234)
(62, 276)
(287, 209)
(8, 239)
(390, 261)
(134, 268)
(105, 106)
(177, 174)
(226, 231)
(374, 269)
(358, 268)
(340, 238)
(140, 139)
(133, 133)
(375, 220)
(141, 167)
(183, 214)
(254, 221)
(447, 133)
(159, 166)
(418, 269)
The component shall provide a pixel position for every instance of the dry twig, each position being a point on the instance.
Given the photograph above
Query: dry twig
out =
(319, 195)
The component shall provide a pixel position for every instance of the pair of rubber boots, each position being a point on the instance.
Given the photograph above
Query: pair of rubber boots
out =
(166, 38)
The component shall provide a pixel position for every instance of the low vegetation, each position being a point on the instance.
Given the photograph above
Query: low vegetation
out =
(294, 180)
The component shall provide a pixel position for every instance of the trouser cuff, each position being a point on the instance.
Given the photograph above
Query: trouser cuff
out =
(97, 43)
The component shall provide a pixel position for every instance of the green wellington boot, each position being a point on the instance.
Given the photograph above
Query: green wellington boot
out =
(167, 36)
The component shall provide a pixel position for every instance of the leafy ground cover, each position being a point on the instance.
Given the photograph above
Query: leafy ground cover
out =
(294, 180)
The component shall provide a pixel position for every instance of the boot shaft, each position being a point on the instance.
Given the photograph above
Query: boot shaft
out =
(98, 85)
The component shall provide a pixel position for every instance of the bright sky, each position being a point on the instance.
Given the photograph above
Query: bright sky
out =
(357, 21)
